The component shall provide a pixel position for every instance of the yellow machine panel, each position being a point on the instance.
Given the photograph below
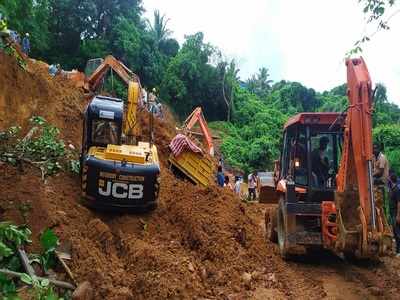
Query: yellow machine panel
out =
(140, 154)
(197, 167)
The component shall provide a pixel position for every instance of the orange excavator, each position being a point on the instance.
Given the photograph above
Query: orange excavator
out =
(325, 195)
(187, 159)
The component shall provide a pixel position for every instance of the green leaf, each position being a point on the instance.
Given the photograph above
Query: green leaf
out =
(49, 240)
(5, 251)
(45, 283)
(26, 279)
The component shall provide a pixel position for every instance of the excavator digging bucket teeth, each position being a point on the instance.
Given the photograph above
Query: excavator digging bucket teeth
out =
(348, 223)
(350, 227)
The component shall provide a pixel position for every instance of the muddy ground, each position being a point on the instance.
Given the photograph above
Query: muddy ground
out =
(200, 243)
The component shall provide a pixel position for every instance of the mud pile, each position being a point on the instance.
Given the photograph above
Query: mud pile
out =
(24, 94)
(197, 243)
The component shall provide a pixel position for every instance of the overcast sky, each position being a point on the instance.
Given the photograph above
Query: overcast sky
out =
(297, 40)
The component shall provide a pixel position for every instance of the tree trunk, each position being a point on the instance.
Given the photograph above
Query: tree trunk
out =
(228, 104)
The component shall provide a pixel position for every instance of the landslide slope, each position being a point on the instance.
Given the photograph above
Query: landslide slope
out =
(198, 242)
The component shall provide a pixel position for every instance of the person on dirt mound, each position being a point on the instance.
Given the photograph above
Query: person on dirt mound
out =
(220, 177)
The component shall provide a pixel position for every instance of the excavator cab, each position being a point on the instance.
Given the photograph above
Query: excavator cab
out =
(305, 180)
(311, 157)
(103, 122)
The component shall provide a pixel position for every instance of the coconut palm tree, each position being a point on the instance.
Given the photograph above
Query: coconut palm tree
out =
(159, 28)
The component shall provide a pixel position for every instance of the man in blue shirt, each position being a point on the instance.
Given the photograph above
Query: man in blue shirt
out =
(26, 45)
(220, 177)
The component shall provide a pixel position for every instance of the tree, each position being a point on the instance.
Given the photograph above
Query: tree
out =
(230, 79)
(191, 81)
(377, 14)
(159, 28)
(259, 83)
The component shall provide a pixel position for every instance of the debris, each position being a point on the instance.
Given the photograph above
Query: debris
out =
(190, 267)
(84, 291)
(57, 283)
(246, 278)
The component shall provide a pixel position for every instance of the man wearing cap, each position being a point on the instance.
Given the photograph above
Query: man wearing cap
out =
(26, 45)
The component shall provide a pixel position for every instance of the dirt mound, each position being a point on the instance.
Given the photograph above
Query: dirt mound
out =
(24, 94)
(200, 243)
(197, 243)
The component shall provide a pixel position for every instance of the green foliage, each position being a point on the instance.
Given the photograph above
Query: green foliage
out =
(8, 291)
(389, 136)
(40, 147)
(260, 84)
(42, 290)
(49, 242)
(191, 81)
(11, 237)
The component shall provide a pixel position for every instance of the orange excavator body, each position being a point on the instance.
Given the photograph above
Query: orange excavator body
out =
(323, 182)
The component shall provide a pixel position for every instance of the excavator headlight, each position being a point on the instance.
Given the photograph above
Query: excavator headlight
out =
(297, 163)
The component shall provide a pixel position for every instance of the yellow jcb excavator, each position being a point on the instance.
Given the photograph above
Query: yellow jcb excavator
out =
(118, 172)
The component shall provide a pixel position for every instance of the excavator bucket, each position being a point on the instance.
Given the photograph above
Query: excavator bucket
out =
(266, 188)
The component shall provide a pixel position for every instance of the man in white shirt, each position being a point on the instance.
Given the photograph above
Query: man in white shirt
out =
(237, 185)
(252, 182)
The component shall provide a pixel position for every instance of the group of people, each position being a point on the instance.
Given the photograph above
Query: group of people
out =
(15, 36)
(223, 181)
(387, 180)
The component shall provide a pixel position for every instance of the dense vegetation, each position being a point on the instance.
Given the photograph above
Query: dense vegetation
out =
(249, 114)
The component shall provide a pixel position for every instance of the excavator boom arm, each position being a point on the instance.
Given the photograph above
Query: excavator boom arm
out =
(355, 197)
(357, 151)
(197, 116)
(130, 126)
(110, 62)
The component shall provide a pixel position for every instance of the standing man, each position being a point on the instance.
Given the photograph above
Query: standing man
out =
(220, 177)
(252, 182)
(237, 185)
(26, 45)
(394, 193)
(381, 177)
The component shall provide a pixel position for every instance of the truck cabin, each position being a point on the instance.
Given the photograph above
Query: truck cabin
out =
(103, 122)
(311, 154)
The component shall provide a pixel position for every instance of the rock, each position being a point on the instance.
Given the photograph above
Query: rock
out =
(255, 275)
(236, 288)
(203, 273)
(271, 277)
(72, 147)
(84, 291)
(376, 291)
(246, 278)
(190, 267)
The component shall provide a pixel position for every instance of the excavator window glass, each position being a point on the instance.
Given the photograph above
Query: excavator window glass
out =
(324, 159)
(104, 132)
(300, 158)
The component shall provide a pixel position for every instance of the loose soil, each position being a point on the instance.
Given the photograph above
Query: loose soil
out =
(200, 243)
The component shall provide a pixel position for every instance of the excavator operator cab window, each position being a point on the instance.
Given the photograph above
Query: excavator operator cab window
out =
(324, 159)
(104, 132)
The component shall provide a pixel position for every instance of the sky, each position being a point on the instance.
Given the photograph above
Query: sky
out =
(302, 41)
